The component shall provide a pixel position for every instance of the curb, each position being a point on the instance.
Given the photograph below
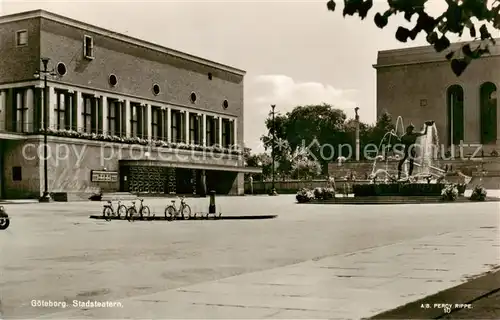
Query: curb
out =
(198, 218)
(431, 307)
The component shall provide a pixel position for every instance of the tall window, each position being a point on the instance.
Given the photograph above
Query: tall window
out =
(210, 132)
(156, 120)
(177, 126)
(225, 133)
(61, 111)
(488, 107)
(455, 99)
(113, 117)
(134, 117)
(89, 114)
(21, 110)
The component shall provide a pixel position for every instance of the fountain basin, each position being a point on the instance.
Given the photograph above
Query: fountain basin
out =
(398, 190)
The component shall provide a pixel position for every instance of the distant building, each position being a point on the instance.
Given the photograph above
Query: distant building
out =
(175, 117)
(418, 84)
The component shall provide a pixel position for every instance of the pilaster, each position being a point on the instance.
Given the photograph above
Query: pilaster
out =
(28, 125)
(79, 112)
(219, 132)
(51, 107)
(104, 126)
(149, 126)
(235, 132)
(127, 123)
(168, 125)
(204, 130)
(186, 128)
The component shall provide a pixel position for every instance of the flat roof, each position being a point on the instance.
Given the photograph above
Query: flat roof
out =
(423, 54)
(117, 36)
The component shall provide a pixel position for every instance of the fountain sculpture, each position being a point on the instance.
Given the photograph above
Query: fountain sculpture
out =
(426, 150)
(386, 180)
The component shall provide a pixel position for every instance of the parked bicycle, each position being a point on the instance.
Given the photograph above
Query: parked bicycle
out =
(108, 212)
(134, 213)
(172, 213)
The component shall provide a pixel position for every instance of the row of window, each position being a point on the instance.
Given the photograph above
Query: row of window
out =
(92, 121)
(488, 113)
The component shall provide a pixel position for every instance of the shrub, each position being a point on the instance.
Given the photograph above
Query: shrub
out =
(318, 193)
(449, 192)
(328, 193)
(478, 194)
(304, 195)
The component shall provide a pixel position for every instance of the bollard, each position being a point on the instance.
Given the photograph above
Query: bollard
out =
(211, 207)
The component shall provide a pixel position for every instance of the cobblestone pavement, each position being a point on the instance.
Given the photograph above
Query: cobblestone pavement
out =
(313, 261)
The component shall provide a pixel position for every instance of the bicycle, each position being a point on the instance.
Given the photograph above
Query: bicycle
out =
(171, 212)
(133, 212)
(108, 211)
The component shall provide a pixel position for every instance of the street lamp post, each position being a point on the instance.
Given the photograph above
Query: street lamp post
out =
(45, 72)
(273, 189)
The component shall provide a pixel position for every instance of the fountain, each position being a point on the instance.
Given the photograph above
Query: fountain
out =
(426, 151)
(426, 180)
(386, 186)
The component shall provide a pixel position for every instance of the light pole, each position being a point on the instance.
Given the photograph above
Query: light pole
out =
(357, 133)
(273, 189)
(45, 72)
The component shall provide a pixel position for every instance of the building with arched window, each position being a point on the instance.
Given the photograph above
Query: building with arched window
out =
(418, 85)
(119, 113)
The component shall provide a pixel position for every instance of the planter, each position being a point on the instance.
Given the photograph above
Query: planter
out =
(396, 189)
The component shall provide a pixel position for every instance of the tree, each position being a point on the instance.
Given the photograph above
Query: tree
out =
(261, 160)
(282, 148)
(305, 168)
(318, 128)
(458, 18)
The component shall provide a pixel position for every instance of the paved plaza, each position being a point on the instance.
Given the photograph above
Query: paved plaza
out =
(313, 261)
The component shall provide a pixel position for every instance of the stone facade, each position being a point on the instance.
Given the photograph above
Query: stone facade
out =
(414, 84)
(107, 84)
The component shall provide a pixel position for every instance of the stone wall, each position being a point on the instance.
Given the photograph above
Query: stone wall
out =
(16, 154)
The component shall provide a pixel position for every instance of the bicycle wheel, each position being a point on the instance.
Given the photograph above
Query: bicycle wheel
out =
(131, 214)
(121, 211)
(170, 213)
(107, 213)
(4, 223)
(145, 212)
(186, 211)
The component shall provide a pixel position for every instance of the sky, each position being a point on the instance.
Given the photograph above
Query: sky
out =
(294, 52)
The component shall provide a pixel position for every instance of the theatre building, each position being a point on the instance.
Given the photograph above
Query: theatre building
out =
(119, 114)
(418, 84)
